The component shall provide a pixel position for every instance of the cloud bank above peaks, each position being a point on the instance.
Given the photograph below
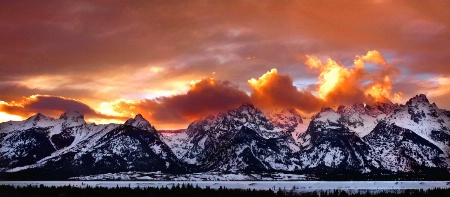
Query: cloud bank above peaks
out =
(124, 54)
(337, 85)
(272, 90)
(49, 105)
(368, 80)
(341, 85)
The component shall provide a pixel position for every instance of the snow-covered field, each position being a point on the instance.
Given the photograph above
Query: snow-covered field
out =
(295, 186)
(204, 176)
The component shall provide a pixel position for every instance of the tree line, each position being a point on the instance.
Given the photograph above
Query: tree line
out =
(186, 190)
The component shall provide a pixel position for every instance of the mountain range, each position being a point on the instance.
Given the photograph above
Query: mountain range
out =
(410, 141)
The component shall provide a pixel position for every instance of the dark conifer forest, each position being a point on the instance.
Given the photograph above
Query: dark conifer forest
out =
(187, 190)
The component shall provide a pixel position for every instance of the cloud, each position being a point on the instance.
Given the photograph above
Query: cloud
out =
(204, 97)
(17, 90)
(49, 105)
(341, 85)
(272, 90)
(98, 51)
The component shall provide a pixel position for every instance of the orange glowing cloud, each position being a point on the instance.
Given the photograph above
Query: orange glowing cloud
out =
(205, 96)
(97, 51)
(272, 90)
(342, 85)
(46, 104)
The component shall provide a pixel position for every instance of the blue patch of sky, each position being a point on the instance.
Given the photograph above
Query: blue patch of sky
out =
(304, 83)
(424, 76)
(371, 67)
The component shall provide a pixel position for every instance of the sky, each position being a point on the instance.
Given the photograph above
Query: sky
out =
(177, 61)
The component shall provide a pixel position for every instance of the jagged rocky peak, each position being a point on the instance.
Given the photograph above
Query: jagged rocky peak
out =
(285, 118)
(249, 113)
(38, 120)
(327, 114)
(286, 112)
(421, 98)
(37, 117)
(374, 110)
(139, 122)
(419, 107)
(227, 123)
(386, 107)
(73, 117)
(246, 108)
(355, 108)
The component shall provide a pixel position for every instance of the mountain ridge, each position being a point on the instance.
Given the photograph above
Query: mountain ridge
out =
(363, 140)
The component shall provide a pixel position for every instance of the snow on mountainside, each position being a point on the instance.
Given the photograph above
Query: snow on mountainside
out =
(26, 142)
(79, 148)
(66, 120)
(328, 144)
(362, 118)
(425, 119)
(222, 142)
(177, 141)
(289, 120)
(140, 123)
(330, 141)
(382, 138)
(399, 149)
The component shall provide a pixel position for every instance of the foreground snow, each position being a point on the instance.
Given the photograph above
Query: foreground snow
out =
(294, 186)
(209, 176)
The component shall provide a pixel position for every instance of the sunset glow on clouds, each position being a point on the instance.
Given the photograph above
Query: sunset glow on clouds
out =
(176, 61)
(340, 84)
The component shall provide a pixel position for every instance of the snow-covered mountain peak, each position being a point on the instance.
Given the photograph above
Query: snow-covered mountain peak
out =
(327, 115)
(362, 118)
(247, 113)
(385, 107)
(378, 137)
(285, 112)
(374, 110)
(421, 98)
(424, 119)
(359, 107)
(72, 119)
(73, 116)
(38, 117)
(139, 122)
(139, 117)
(246, 108)
(285, 118)
(349, 110)
(35, 117)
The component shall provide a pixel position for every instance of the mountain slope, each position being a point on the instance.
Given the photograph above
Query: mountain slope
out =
(367, 140)
(398, 149)
(362, 119)
(222, 142)
(289, 120)
(426, 120)
(89, 149)
(329, 145)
